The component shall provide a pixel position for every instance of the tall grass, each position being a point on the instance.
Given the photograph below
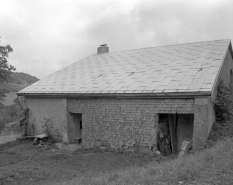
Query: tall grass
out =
(210, 166)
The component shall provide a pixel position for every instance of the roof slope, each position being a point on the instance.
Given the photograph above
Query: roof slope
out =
(191, 67)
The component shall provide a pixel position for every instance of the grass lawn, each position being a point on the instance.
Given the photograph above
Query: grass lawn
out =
(212, 166)
(24, 163)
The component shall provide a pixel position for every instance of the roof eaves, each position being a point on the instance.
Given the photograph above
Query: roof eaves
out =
(126, 95)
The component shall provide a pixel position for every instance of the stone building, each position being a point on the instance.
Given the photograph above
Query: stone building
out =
(123, 99)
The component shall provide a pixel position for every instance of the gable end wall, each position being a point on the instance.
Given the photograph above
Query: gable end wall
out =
(42, 109)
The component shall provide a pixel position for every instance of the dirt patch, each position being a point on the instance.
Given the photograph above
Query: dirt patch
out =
(24, 163)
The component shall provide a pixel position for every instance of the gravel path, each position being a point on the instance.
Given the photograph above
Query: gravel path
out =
(7, 138)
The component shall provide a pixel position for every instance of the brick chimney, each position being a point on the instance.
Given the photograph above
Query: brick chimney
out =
(102, 49)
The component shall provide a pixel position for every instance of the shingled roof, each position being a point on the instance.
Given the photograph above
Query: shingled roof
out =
(192, 67)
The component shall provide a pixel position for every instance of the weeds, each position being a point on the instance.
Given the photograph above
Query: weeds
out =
(223, 106)
(54, 135)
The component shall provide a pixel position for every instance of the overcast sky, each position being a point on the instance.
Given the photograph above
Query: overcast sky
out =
(47, 35)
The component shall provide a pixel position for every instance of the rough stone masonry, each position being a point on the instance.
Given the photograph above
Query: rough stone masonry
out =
(124, 123)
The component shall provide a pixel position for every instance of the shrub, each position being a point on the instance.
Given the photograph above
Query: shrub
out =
(54, 135)
(223, 105)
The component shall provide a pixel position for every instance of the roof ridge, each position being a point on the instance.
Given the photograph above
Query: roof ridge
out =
(163, 46)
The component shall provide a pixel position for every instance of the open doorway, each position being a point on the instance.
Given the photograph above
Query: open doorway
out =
(75, 131)
(164, 136)
(173, 129)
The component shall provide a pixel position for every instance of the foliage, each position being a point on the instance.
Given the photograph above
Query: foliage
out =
(220, 131)
(223, 104)
(2, 97)
(30, 129)
(5, 69)
(54, 135)
(10, 114)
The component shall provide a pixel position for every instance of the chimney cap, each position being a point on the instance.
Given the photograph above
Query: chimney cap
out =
(103, 48)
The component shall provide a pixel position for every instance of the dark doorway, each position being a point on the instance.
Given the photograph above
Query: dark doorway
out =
(173, 129)
(75, 131)
(164, 135)
(184, 128)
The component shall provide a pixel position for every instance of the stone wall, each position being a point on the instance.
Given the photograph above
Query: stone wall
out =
(124, 123)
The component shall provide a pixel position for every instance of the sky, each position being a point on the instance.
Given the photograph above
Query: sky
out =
(47, 35)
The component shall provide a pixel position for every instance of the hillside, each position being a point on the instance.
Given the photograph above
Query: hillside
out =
(18, 81)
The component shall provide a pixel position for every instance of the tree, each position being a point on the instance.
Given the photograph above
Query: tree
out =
(5, 69)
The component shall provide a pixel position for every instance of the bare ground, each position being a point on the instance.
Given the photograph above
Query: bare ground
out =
(24, 163)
